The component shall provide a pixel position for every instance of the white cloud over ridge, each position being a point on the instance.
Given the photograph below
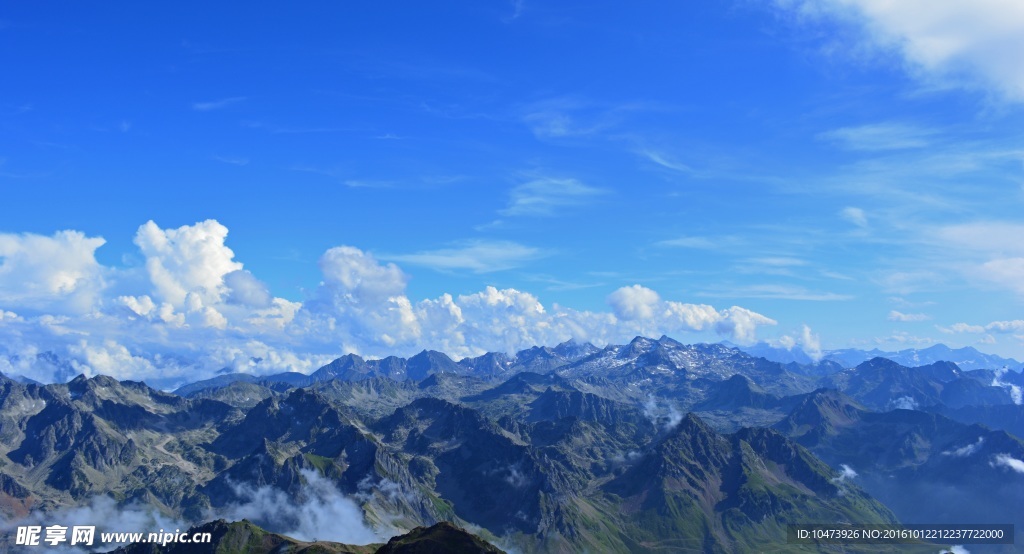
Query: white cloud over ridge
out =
(1009, 462)
(192, 309)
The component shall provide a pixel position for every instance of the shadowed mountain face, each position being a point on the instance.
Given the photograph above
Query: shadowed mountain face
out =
(596, 452)
(882, 384)
(736, 491)
(926, 467)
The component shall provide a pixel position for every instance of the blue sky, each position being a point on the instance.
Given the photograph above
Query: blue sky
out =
(816, 174)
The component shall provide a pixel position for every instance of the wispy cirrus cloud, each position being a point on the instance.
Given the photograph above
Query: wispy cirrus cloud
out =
(232, 160)
(702, 242)
(780, 292)
(906, 318)
(1009, 326)
(854, 215)
(292, 130)
(990, 251)
(944, 43)
(879, 136)
(478, 256)
(217, 104)
(665, 161)
(545, 196)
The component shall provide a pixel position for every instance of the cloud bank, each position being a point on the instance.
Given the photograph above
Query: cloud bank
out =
(191, 309)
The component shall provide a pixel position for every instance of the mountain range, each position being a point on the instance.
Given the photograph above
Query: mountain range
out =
(648, 446)
(966, 358)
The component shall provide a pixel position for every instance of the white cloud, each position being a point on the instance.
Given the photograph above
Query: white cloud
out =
(666, 416)
(477, 256)
(642, 309)
(699, 243)
(942, 42)
(193, 310)
(965, 451)
(784, 292)
(846, 473)
(546, 196)
(566, 117)
(740, 324)
(854, 215)
(105, 514)
(216, 104)
(1007, 272)
(806, 339)
(778, 261)
(879, 136)
(665, 161)
(904, 403)
(1002, 327)
(634, 302)
(905, 318)
(191, 259)
(319, 511)
(962, 328)
(1016, 393)
(1009, 462)
(245, 289)
(1013, 326)
(46, 273)
(361, 301)
(360, 276)
(903, 338)
(108, 358)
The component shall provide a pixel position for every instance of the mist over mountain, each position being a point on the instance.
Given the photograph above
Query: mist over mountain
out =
(651, 445)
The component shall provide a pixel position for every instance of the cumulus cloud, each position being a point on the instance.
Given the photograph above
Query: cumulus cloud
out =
(189, 260)
(1002, 327)
(643, 309)
(809, 342)
(942, 42)
(634, 302)
(58, 272)
(245, 289)
(192, 309)
(741, 324)
(1013, 326)
(962, 328)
